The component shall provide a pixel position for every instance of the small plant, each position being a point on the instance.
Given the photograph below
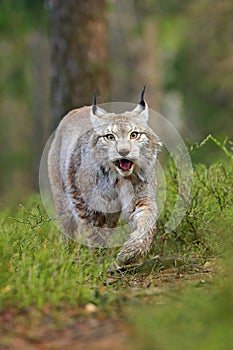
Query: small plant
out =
(211, 200)
(228, 151)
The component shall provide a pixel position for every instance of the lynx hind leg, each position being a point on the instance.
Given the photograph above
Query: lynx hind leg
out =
(100, 235)
(68, 225)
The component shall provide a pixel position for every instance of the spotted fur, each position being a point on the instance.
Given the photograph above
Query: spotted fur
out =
(93, 185)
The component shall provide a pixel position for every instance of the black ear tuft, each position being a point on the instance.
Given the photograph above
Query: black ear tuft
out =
(94, 107)
(142, 102)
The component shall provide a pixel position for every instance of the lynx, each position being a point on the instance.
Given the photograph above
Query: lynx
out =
(102, 166)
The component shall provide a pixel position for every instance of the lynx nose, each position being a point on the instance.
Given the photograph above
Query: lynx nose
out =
(123, 152)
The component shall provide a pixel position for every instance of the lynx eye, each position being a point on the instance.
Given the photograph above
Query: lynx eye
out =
(134, 135)
(109, 137)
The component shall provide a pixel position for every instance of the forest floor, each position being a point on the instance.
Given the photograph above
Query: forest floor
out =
(94, 327)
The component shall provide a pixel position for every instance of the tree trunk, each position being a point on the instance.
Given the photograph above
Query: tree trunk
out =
(39, 54)
(78, 54)
(135, 55)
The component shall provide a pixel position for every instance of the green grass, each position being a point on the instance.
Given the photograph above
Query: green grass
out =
(200, 318)
(38, 269)
(210, 207)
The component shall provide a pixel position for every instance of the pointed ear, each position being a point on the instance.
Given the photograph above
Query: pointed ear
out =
(96, 114)
(142, 109)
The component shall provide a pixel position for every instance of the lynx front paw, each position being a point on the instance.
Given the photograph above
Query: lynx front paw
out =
(125, 259)
(136, 247)
(131, 252)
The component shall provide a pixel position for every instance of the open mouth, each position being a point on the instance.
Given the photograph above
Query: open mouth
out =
(123, 164)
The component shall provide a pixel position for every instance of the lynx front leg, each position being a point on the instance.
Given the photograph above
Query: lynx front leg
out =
(140, 240)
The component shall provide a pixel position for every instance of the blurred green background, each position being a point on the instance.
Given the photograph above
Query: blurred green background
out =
(182, 50)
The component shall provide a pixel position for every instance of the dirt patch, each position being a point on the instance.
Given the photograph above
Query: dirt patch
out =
(74, 330)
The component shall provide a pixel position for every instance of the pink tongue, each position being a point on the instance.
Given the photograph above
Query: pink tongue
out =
(125, 165)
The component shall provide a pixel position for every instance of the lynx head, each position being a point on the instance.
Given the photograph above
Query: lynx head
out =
(124, 142)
